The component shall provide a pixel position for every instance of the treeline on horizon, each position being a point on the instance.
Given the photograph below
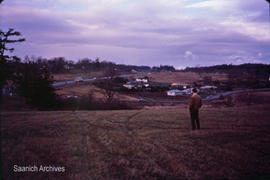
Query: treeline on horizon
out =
(229, 68)
(61, 65)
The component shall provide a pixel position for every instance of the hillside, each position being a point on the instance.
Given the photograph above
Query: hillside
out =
(140, 144)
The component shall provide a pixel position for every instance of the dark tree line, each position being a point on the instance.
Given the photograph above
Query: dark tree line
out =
(225, 68)
(240, 76)
(163, 68)
(61, 65)
(29, 79)
(35, 84)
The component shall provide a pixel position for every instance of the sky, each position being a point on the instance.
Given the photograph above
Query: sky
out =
(143, 32)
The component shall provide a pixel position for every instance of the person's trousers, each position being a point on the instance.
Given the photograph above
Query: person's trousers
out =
(195, 122)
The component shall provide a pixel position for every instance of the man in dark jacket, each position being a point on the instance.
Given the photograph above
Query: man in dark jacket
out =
(194, 105)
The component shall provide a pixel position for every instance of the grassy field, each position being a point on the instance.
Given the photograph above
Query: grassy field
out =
(151, 143)
(184, 77)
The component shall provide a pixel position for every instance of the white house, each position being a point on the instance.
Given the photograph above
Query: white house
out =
(174, 92)
(189, 91)
(129, 86)
(143, 80)
(146, 85)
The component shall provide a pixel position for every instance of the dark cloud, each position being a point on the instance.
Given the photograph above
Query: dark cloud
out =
(142, 33)
(254, 10)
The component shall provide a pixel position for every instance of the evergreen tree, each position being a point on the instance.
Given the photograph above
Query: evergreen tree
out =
(6, 38)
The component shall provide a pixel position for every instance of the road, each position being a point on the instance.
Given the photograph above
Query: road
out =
(63, 83)
(207, 99)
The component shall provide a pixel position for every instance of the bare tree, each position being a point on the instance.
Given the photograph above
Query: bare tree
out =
(108, 91)
(108, 84)
(6, 38)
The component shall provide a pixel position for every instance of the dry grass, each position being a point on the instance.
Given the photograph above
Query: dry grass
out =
(79, 90)
(140, 144)
(184, 77)
(84, 89)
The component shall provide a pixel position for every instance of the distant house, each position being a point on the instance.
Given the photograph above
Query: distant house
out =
(177, 92)
(180, 85)
(146, 85)
(136, 85)
(133, 85)
(174, 92)
(189, 91)
(129, 85)
(143, 80)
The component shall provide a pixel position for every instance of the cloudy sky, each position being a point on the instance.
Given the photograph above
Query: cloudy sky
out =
(142, 32)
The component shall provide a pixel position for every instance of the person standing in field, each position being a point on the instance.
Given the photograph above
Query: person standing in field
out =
(194, 105)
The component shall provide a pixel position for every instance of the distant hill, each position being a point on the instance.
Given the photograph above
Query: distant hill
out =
(239, 76)
(225, 68)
